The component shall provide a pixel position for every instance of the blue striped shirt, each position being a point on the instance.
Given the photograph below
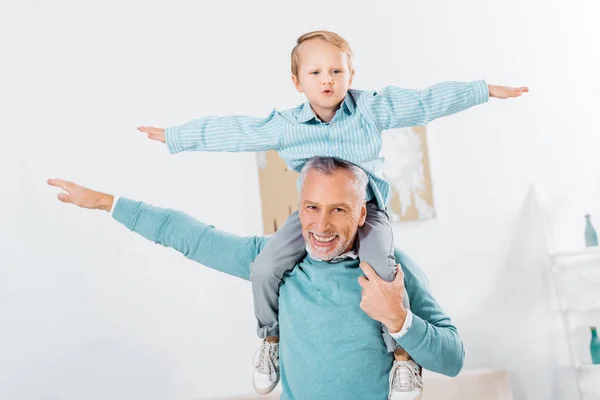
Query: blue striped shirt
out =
(354, 133)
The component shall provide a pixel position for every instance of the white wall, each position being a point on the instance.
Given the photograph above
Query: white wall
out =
(92, 311)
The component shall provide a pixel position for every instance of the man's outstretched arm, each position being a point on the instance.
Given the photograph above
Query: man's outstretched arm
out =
(195, 240)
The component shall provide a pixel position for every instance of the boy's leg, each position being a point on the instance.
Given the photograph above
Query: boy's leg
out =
(280, 254)
(376, 246)
(283, 250)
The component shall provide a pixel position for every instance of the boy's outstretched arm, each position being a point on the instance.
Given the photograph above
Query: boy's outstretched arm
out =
(231, 133)
(395, 107)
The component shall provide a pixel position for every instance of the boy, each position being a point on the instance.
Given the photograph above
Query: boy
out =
(338, 122)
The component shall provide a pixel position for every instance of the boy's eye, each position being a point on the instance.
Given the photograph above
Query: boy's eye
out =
(314, 73)
(337, 71)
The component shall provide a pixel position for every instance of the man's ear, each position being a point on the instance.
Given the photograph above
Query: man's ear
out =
(363, 214)
(297, 84)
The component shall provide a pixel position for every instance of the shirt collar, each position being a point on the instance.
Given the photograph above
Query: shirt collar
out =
(348, 104)
(349, 254)
(306, 113)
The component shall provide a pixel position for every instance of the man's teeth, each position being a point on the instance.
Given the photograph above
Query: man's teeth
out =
(324, 239)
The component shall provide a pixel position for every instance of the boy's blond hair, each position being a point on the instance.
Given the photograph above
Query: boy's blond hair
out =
(329, 37)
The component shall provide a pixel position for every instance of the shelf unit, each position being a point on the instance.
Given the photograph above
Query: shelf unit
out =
(575, 280)
(578, 269)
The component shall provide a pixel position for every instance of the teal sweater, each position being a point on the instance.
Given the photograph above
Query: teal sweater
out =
(329, 348)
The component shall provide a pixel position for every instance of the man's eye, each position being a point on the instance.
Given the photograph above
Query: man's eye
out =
(311, 207)
(338, 210)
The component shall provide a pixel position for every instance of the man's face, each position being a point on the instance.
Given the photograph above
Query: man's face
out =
(331, 210)
(323, 75)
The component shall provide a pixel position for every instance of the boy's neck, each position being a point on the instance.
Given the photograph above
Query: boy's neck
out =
(325, 115)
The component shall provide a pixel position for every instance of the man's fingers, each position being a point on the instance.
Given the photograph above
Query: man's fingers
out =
(369, 271)
(65, 198)
(362, 281)
(399, 279)
(64, 185)
(516, 92)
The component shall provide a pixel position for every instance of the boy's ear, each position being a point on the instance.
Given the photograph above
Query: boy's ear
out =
(297, 84)
(351, 78)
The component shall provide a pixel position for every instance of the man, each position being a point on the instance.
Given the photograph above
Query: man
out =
(330, 315)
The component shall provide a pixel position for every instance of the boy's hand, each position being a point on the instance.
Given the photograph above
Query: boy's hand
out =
(81, 196)
(505, 92)
(153, 133)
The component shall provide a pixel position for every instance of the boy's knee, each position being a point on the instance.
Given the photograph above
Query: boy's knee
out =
(261, 272)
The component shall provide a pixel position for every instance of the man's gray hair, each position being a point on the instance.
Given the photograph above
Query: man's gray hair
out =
(328, 165)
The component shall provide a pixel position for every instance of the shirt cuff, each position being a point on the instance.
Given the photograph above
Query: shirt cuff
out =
(405, 327)
(172, 140)
(114, 204)
(481, 92)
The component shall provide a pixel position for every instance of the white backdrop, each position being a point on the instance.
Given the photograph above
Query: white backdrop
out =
(91, 311)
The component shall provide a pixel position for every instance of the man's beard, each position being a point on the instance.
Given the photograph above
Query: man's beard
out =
(319, 254)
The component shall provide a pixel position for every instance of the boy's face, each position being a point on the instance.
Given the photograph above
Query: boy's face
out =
(323, 75)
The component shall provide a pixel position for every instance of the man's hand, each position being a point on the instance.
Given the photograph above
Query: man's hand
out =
(82, 197)
(383, 301)
(505, 92)
(153, 133)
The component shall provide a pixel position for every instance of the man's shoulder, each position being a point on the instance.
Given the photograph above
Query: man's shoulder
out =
(413, 274)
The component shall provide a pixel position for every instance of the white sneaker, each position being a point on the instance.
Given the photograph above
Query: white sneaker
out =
(405, 381)
(266, 367)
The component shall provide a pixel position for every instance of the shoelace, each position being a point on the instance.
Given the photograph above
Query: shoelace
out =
(264, 362)
(404, 375)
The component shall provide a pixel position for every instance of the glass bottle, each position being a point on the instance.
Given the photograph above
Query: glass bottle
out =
(591, 239)
(595, 346)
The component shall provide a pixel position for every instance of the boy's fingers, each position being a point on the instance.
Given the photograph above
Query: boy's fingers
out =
(150, 129)
(145, 129)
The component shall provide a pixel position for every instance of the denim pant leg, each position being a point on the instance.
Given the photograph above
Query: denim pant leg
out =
(376, 246)
(281, 253)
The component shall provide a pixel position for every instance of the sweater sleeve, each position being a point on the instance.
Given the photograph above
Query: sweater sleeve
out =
(197, 241)
(432, 340)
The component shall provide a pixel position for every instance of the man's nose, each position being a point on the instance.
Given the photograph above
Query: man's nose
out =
(323, 222)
